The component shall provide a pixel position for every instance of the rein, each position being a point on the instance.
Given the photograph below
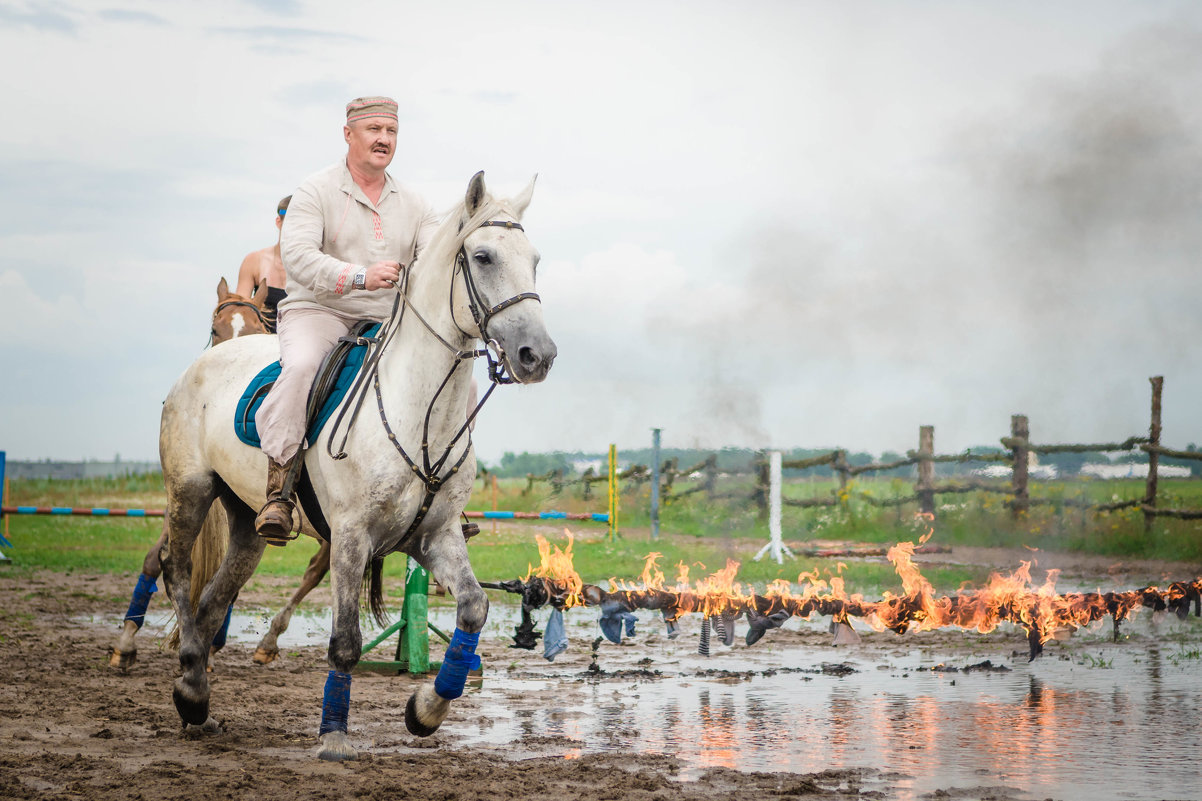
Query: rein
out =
(499, 372)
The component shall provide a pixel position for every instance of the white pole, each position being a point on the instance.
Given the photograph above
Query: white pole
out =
(775, 546)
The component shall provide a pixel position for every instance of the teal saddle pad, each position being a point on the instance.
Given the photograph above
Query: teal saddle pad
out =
(256, 391)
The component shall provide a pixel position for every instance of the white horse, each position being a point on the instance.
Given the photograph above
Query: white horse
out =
(409, 466)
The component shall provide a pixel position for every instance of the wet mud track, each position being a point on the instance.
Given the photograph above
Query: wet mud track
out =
(789, 718)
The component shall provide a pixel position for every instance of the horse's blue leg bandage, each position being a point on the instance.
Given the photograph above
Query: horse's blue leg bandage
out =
(461, 657)
(219, 638)
(145, 588)
(336, 704)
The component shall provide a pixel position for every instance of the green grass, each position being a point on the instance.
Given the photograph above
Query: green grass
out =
(597, 560)
(970, 519)
(1089, 660)
(696, 531)
(117, 545)
(1184, 654)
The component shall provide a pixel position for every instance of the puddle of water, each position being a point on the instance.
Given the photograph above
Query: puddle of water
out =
(310, 626)
(1120, 721)
(1114, 721)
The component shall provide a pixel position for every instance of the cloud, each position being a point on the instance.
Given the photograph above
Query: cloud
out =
(122, 15)
(48, 17)
(283, 35)
(27, 317)
(281, 7)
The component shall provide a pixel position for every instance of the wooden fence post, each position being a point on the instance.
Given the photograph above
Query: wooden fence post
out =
(926, 470)
(1153, 456)
(711, 475)
(841, 467)
(670, 471)
(1020, 431)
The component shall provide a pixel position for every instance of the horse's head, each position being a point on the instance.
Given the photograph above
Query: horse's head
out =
(236, 316)
(496, 300)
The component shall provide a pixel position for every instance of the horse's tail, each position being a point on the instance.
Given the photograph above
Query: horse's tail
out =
(207, 553)
(209, 549)
(373, 583)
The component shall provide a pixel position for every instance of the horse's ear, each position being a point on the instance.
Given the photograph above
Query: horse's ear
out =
(520, 202)
(475, 193)
(223, 290)
(260, 298)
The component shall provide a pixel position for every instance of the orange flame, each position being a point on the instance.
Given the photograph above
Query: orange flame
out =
(1004, 598)
(556, 566)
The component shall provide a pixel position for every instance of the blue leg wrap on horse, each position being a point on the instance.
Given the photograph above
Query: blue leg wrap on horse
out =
(145, 588)
(461, 657)
(336, 704)
(219, 638)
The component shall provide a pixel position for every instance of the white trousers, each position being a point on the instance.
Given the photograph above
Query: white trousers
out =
(307, 335)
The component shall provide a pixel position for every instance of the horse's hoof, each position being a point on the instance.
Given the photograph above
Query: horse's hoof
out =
(123, 660)
(423, 716)
(264, 657)
(336, 747)
(210, 726)
(191, 711)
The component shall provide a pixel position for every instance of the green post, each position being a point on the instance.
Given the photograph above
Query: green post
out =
(414, 645)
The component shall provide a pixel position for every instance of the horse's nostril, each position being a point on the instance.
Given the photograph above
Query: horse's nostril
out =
(527, 357)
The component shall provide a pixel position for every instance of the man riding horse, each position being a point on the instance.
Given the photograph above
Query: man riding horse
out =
(350, 231)
(399, 485)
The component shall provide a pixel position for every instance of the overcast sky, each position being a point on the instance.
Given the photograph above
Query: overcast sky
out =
(763, 224)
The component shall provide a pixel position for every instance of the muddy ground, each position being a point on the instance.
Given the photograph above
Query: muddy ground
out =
(72, 727)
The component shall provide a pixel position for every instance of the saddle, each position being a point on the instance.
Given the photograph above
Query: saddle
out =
(330, 385)
(334, 378)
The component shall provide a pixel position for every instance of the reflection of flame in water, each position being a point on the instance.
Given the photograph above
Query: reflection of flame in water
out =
(574, 753)
(1009, 597)
(719, 743)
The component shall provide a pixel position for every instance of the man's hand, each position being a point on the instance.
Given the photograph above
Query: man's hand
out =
(383, 275)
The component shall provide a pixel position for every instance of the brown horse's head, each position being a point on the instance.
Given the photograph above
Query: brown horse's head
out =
(236, 316)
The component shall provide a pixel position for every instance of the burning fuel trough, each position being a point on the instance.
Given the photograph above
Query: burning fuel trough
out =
(721, 600)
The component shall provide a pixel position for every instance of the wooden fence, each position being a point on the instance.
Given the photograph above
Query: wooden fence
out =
(704, 474)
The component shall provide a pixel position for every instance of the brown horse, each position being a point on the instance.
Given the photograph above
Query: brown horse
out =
(233, 317)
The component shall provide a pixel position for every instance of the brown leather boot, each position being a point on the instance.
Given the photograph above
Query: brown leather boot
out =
(274, 522)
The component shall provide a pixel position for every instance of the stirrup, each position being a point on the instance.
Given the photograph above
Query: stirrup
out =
(279, 542)
(469, 530)
(271, 536)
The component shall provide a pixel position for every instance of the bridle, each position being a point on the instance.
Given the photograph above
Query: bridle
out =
(481, 311)
(225, 304)
(430, 473)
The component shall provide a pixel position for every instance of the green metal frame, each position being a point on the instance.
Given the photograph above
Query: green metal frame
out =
(413, 647)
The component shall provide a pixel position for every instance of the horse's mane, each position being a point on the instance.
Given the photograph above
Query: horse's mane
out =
(457, 226)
